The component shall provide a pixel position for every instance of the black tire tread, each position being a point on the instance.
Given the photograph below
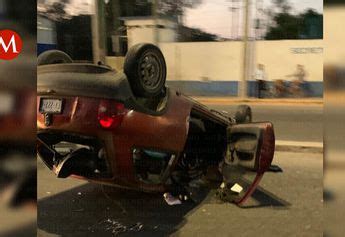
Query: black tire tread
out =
(241, 113)
(131, 65)
(53, 57)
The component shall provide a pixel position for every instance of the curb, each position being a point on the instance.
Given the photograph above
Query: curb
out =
(304, 147)
(228, 100)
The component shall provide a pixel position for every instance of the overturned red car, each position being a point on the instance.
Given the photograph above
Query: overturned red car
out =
(128, 129)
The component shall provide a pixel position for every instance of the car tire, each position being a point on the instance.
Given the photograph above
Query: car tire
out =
(145, 69)
(53, 57)
(243, 114)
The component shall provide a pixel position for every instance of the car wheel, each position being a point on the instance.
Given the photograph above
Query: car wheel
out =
(146, 70)
(243, 114)
(53, 57)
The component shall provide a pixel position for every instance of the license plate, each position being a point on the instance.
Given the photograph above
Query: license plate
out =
(51, 106)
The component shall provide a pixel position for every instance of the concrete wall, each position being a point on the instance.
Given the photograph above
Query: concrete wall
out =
(334, 35)
(143, 30)
(210, 61)
(222, 61)
(46, 34)
(215, 68)
(280, 58)
(46, 31)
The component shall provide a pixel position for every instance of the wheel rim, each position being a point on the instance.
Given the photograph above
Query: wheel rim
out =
(150, 71)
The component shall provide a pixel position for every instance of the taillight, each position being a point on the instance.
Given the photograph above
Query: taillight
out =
(110, 114)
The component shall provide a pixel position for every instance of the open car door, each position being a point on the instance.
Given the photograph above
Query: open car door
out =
(249, 155)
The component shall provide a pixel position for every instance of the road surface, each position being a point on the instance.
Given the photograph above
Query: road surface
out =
(289, 204)
(291, 122)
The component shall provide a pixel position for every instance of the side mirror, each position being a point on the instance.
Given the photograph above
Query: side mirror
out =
(250, 150)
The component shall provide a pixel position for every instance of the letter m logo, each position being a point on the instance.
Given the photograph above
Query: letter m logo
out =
(10, 44)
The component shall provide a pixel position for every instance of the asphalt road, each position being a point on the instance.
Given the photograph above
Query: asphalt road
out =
(291, 122)
(286, 204)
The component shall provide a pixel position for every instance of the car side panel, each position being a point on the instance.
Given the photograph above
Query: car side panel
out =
(167, 132)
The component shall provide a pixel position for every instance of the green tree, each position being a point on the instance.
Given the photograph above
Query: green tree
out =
(312, 25)
(307, 25)
(188, 34)
(56, 10)
(286, 26)
(282, 5)
(175, 8)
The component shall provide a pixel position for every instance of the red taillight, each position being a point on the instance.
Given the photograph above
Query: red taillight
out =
(106, 121)
(110, 114)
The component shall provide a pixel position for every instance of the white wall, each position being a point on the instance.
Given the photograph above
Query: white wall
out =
(218, 61)
(334, 35)
(223, 61)
(46, 32)
(280, 58)
(143, 31)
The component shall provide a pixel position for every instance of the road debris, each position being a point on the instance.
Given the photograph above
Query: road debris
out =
(228, 192)
(171, 200)
(137, 227)
(116, 227)
(236, 188)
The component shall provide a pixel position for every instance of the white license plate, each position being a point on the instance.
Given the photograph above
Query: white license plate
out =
(51, 106)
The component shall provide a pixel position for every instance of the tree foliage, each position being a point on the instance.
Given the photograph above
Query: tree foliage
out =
(282, 5)
(307, 25)
(188, 34)
(176, 8)
(55, 11)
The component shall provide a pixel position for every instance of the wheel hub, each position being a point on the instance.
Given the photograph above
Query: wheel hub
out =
(150, 71)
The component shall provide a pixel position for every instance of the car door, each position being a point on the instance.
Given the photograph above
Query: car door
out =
(249, 155)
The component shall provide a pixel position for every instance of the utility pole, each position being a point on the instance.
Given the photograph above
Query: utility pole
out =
(97, 29)
(246, 51)
(155, 19)
(234, 9)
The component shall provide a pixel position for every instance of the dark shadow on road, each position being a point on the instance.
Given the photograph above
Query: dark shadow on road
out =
(90, 210)
(263, 198)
